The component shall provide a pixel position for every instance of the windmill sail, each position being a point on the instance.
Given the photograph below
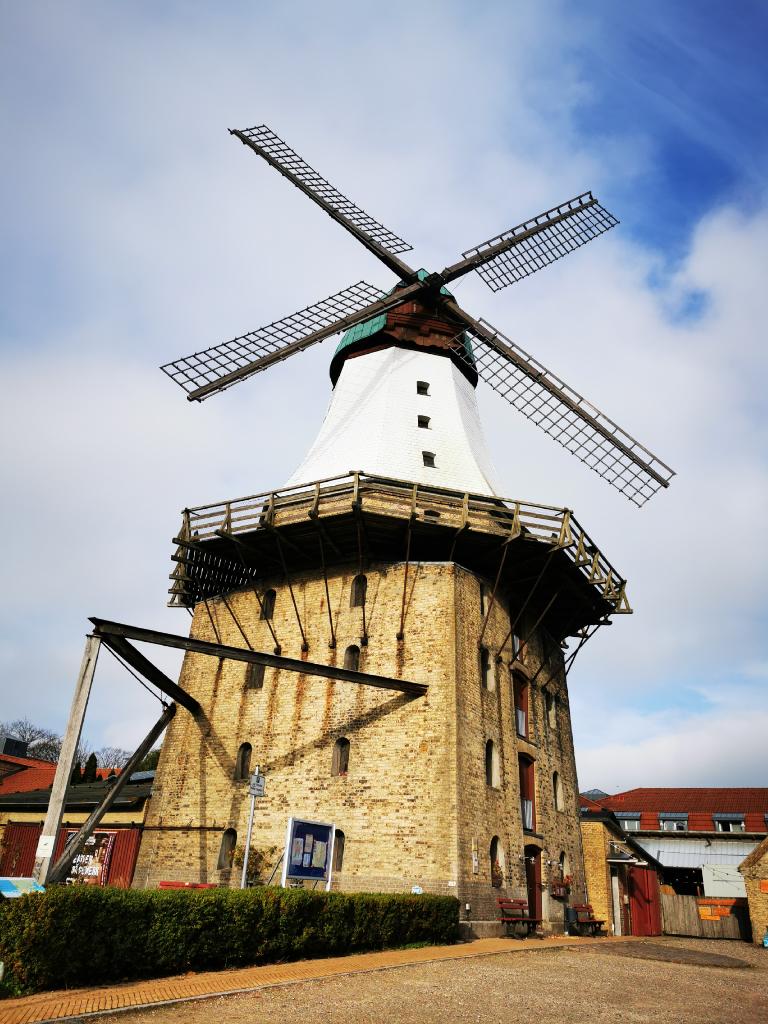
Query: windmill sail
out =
(380, 240)
(535, 243)
(580, 427)
(215, 369)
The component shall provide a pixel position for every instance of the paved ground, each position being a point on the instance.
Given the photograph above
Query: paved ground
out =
(573, 982)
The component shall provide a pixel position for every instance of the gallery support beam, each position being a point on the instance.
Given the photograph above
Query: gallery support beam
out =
(151, 672)
(108, 630)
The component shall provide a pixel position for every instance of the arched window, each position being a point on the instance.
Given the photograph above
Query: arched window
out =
(497, 863)
(486, 676)
(254, 677)
(423, 422)
(565, 867)
(492, 774)
(422, 387)
(243, 761)
(338, 850)
(429, 459)
(268, 604)
(359, 591)
(352, 658)
(520, 693)
(550, 701)
(227, 850)
(340, 760)
(557, 791)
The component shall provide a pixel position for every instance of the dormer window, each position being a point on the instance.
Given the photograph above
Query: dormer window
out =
(422, 387)
(424, 422)
(729, 822)
(429, 459)
(629, 820)
(673, 821)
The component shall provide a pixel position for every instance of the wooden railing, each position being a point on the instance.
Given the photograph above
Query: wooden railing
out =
(504, 517)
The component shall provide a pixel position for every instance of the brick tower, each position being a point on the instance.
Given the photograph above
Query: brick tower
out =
(390, 553)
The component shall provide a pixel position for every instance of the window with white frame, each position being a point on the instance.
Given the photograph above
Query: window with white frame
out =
(729, 822)
(673, 822)
(630, 824)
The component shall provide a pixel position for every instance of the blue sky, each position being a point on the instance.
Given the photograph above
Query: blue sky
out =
(136, 230)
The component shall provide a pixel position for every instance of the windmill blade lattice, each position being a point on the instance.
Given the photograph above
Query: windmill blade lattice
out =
(568, 417)
(537, 243)
(212, 365)
(286, 160)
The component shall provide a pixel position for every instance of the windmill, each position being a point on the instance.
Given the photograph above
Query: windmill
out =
(565, 415)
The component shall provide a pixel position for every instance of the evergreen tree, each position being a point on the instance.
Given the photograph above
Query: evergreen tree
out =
(89, 772)
(77, 775)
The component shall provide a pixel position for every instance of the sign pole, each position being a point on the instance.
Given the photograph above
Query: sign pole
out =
(256, 788)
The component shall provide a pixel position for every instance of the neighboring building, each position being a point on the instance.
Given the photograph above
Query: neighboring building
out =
(419, 572)
(622, 878)
(109, 858)
(754, 870)
(18, 772)
(699, 836)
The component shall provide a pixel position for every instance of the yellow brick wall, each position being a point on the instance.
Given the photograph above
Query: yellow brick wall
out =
(414, 803)
(595, 840)
(756, 899)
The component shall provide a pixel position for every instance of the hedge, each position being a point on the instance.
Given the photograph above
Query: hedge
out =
(88, 935)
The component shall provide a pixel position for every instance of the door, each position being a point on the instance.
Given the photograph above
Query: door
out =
(616, 902)
(533, 880)
(644, 903)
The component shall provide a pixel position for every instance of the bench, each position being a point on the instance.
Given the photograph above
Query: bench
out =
(514, 914)
(586, 923)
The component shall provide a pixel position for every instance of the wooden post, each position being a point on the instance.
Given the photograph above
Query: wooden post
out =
(66, 760)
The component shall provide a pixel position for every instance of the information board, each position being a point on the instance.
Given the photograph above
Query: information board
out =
(308, 851)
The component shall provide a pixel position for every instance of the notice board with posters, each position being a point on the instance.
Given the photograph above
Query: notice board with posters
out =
(91, 865)
(308, 851)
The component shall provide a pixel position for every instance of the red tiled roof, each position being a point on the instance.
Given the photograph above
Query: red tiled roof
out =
(29, 773)
(26, 762)
(702, 801)
(27, 779)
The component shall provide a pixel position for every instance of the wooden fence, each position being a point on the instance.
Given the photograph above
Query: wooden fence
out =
(704, 919)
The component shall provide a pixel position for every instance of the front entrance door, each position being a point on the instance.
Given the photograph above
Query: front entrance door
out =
(533, 879)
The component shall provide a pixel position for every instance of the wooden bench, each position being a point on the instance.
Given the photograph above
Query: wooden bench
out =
(514, 914)
(586, 923)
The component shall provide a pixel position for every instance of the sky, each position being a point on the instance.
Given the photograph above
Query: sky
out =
(136, 230)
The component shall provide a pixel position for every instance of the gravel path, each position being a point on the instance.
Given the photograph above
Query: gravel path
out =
(564, 986)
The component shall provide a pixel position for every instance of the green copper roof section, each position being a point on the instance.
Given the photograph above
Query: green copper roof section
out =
(370, 327)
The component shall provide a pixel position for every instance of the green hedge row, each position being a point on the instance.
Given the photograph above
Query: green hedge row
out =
(88, 935)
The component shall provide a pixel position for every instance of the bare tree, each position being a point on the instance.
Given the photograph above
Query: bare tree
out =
(112, 757)
(42, 743)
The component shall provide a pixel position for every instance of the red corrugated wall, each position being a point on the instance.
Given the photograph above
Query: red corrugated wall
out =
(20, 846)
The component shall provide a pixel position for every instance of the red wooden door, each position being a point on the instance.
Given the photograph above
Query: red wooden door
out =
(644, 903)
(533, 880)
